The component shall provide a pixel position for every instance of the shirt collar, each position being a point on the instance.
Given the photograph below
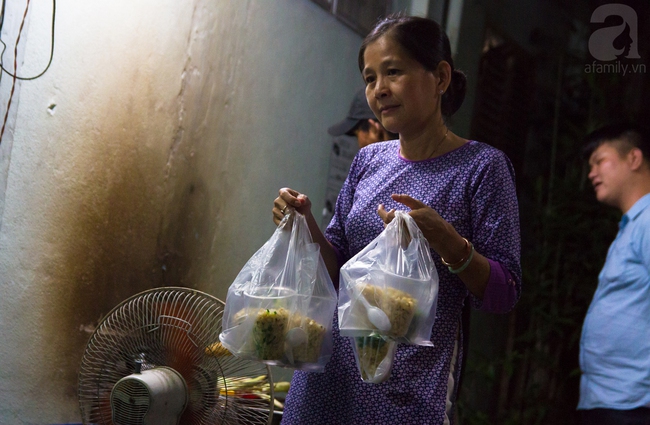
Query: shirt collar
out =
(636, 209)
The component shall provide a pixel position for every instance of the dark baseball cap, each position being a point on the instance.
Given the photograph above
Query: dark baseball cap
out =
(359, 110)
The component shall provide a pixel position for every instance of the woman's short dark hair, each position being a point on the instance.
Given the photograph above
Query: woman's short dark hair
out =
(428, 44)
(625, 136)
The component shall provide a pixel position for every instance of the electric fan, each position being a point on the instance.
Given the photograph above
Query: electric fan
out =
(155, 359)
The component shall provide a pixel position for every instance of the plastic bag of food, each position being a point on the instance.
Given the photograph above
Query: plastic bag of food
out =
(279, 308)
(391, 286)
(374, 355)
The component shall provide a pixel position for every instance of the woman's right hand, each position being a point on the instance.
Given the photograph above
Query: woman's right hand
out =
(289, 198)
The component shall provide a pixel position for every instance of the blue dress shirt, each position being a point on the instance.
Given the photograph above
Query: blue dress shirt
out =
(615, 343)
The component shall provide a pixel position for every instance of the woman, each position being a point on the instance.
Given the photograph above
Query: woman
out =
(460, 193)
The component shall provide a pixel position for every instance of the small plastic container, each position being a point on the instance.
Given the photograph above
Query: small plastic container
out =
(416, 288)
(269, 297)
(268, 310)
(400, 299)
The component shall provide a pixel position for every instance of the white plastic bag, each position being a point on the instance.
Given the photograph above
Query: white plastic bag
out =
(279, 308)
(390, 287)
(374, 355)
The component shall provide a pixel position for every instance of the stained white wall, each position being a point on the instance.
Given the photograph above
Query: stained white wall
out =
(148, 155)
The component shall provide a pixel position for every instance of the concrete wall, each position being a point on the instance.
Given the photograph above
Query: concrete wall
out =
(149, 155)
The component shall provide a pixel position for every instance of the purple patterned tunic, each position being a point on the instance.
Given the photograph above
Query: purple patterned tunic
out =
(471, 187)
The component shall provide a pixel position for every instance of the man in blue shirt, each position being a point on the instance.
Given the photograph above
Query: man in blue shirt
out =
(615, 343)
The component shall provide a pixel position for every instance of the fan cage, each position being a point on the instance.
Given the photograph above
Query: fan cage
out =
(138, 396)
(173, 327)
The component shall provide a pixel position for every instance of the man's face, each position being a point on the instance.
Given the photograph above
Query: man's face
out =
(609, 172)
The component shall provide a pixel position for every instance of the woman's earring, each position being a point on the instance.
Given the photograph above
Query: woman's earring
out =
(442, 92)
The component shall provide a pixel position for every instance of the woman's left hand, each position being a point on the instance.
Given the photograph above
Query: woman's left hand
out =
(445, 240)
(441, 235)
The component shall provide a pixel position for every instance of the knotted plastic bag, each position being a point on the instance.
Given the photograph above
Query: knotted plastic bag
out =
(390, 288)
(279, 308)
(374, 356)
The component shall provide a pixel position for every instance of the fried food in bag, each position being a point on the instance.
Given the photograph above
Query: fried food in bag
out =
(398, 306)
(279, 308)
(390, 288)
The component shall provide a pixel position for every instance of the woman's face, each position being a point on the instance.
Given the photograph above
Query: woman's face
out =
(400, 91)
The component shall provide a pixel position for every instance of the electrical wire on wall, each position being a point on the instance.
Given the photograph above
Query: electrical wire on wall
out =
(15, 75)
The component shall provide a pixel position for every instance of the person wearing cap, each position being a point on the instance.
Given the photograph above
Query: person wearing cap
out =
(360, 123)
